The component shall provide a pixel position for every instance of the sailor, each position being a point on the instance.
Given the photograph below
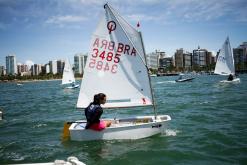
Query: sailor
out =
(93, 113)
(73, 84)
(230, 78)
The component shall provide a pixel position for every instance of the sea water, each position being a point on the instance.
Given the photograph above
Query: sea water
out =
(208, 126)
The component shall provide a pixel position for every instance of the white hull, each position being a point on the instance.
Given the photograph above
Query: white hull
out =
(184, 79)
(72, 87)
(236, 80)
(127, 128)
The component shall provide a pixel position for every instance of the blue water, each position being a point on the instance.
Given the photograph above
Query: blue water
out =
(208, 125)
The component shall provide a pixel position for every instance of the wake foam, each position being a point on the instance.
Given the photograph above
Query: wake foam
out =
(170, 132)
(163, 82)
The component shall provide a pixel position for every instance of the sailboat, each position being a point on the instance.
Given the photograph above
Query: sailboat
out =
(117, 66)
(181, 79)
(68, 76)
(19, 84)
(225, 63)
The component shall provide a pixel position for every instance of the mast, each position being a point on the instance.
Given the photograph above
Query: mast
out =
(145, 58)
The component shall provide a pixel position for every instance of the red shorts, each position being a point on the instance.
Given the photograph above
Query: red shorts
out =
(98, 126)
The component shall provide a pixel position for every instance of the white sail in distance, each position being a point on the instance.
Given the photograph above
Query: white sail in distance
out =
(68, 74)
(115, 65)
(225, 60)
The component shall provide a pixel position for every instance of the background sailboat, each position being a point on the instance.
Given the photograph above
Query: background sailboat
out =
(184, 79)
(68, 76)
(1, 115)
(117, 67)
(225, 62)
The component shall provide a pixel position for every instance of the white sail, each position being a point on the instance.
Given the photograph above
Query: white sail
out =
(115, 65)
(68, 74)
(225, 60)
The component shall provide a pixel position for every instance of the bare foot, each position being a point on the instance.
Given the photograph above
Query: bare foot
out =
(108, 123)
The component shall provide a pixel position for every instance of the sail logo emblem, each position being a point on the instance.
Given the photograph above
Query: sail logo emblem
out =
(111, 26)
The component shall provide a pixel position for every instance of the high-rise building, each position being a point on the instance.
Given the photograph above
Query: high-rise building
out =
(167, 62)
(209, 58)
(240, 57)
(60, 66)
(152, 60)
(22, 69)
(1, 70)
(210, 61)
(47, 68)
(11, 66)
(43, 69)
(199, 57)
(79, 63)
(183, 59)
(179, 58)
(213, 60)
(161, 55)
(53, 66)
(36, 69)
(187, 60)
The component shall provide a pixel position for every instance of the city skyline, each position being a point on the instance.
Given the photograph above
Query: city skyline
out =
(41, 31)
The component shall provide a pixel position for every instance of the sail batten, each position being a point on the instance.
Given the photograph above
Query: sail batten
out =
(113, 66)
(225, 60)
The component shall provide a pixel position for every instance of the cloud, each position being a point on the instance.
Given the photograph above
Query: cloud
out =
(68, 13)
(174, 11)
(29, 63)
(241, 15)
(65, 19)
(210, 10)
(142, 17)
(90, 2)
(71, 11)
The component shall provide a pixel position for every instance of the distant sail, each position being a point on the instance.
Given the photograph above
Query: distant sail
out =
(225, 60)
(116, 65)
(68, 74)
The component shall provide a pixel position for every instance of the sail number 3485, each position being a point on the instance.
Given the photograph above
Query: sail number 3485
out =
(104, 61)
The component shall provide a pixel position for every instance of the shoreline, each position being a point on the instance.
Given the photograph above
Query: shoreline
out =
(34, 80)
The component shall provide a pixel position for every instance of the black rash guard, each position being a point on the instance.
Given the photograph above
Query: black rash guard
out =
(93, 113)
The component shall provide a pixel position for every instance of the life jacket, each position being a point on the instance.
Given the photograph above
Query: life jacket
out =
(90, 112)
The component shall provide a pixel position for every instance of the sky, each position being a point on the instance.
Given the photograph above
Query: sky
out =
(43, 30)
